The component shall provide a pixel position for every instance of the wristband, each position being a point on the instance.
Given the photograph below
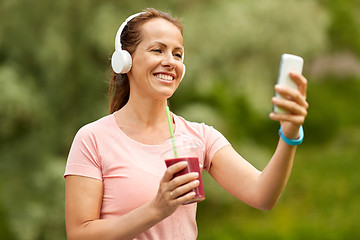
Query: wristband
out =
(292, 142)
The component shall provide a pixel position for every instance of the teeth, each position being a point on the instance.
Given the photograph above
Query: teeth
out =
(164, 77)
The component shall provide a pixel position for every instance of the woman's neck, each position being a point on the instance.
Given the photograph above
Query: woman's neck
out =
(144, 121)
(145, 113)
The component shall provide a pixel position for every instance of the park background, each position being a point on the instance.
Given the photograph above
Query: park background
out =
(54, 70)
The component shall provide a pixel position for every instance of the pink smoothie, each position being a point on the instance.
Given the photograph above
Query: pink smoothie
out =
(193, 166)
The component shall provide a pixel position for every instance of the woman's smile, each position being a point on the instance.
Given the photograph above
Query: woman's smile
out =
(165, 77)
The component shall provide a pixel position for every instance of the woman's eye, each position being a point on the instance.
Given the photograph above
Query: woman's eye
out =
(178, 55)
(157, 50)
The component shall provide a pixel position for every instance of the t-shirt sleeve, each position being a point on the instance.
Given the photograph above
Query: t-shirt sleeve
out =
(214, 141)
(83, 158)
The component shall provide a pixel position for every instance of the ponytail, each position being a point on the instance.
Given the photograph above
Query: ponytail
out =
(119, 92)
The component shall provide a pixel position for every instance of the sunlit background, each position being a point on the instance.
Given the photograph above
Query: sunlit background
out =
(54, 70)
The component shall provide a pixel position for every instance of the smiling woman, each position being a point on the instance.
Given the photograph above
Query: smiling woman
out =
(129, 39)
(117, 184)
(157, 63)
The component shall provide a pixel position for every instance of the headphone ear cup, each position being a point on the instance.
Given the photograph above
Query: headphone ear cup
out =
(121, 61)
(183, 74)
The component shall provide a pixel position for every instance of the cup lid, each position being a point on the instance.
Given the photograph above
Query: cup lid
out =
(182, 140)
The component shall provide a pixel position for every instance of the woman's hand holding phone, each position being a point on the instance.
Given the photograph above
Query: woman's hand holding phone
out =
(289, 104)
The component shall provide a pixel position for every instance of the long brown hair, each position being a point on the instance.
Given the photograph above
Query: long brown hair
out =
(119, 88)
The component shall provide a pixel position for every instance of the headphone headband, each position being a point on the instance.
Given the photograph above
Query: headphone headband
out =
(121, 28)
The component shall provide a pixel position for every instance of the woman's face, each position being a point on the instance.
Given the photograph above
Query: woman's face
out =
(157, 61)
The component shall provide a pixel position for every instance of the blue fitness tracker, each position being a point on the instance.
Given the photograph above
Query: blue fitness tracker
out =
(292, 142)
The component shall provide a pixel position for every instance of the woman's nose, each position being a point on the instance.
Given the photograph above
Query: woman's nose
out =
(168, 60)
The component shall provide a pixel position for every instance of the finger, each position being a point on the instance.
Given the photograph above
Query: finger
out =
(291, 106)
(295, 119)
(185, 197)
(170, 171)
(301, 81)
(292, 94)
(183, 189)
(183, 179)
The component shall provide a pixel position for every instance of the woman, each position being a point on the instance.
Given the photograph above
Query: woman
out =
(117, 186)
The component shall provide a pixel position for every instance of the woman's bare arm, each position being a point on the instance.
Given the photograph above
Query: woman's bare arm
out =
(262, 189)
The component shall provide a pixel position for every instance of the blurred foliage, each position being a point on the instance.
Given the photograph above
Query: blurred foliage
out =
(54, 69)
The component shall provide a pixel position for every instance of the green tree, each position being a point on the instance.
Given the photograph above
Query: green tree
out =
(54, 69)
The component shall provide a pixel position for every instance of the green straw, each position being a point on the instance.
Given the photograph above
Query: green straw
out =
(171, 131)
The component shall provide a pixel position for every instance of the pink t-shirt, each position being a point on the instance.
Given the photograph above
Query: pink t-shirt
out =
(131, 171)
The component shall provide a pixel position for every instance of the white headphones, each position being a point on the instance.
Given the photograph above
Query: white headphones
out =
(121, 60)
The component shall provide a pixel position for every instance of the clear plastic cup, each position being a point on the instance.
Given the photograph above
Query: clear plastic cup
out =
(187, 149)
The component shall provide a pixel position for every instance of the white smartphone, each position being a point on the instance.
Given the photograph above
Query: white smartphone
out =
(289, 63)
